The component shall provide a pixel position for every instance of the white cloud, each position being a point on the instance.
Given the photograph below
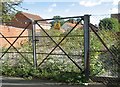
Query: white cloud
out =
(114, 10)
(30, 3)
(10, 0)
(54, 5)
(72, 4)
(115, 2)
(67, 10)
(50, 9)
(89, 3)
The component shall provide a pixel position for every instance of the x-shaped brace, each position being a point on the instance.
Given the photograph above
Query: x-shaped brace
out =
(58, 44)
(11, 44)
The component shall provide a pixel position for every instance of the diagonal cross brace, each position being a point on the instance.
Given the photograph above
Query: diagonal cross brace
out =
(15, 48)
(92, 28)
(15, 40)
(57, 45)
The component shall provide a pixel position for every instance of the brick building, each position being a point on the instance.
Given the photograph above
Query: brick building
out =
(16, 26)
(117, 16)
(22, 19)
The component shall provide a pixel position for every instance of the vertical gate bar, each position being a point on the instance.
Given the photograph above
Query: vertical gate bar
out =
(34, 44)
(86, 46)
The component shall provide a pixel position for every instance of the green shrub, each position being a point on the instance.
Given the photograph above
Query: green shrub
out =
(109, 24)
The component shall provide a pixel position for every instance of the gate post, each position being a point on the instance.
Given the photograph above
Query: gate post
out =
(34, 44)
(86, 46)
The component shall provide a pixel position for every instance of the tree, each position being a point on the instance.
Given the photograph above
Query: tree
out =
(109, 24)
(71, 20)
(8, 9)
(57, 20)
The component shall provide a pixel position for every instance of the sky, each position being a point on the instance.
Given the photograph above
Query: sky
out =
(98, 9)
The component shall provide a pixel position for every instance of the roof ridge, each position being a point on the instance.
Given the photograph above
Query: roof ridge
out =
(29, 13)
(33, 16)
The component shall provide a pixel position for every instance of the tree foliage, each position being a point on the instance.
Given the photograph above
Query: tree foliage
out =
(8, 9)
(57, 20)
(109, 24)
(71, 20)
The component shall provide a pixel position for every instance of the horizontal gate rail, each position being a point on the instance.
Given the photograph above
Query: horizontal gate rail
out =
(60, 18)
(44, 36)
(45, 53)
(58, 54)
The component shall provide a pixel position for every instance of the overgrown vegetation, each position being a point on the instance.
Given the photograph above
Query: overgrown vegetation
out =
(109, 24)
(106, 60)
(59, 67)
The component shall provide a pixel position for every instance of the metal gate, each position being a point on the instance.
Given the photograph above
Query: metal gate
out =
(57, 44)
(35, 63)
(108, 56)
(40, 56)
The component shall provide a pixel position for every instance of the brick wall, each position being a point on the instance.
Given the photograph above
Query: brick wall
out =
(117, 16)
(9, 31)
(20, 21)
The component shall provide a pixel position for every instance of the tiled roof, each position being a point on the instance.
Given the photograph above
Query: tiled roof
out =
(69, 25)
(72, 25)
(33, 17)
